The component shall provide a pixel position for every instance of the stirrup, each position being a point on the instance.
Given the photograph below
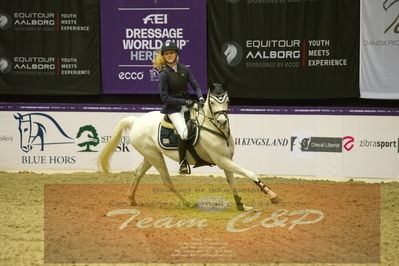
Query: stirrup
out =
(184, 168)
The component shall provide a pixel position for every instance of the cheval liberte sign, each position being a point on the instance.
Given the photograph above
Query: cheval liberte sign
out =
(132, 31)
(315, 141)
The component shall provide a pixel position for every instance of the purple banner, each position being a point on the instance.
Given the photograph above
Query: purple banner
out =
(131, 32)
(251, 110)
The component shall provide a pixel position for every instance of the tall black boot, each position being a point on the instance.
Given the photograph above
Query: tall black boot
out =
(184, 168)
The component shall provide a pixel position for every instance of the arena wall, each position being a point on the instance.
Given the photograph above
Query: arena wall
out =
(300, 141)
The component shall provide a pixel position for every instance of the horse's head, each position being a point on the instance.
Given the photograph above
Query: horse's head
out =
(218, 103)
(25, 131)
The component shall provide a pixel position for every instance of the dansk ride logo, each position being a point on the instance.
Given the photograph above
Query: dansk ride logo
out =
(387, 5)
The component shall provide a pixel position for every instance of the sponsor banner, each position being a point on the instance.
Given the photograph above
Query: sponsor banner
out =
(379, 43)
(132, 31)
(49, 47)
(160, 229)
(139, 108)
(261, 47)
(316, 144)
(355, 143)
(60, 140)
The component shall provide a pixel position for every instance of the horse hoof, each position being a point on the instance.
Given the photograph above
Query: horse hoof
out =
(133, 203)
(248, 208)
(240, 207)
(244, 208)
(275, 200)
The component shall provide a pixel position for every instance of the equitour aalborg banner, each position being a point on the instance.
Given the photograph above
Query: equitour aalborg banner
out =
(131, 33)
(379, 49)
(285, 49)
(49, 47)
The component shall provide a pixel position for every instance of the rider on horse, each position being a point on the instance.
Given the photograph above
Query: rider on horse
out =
(173, 80)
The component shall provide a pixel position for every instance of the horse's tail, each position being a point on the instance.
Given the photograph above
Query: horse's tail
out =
(106, 153)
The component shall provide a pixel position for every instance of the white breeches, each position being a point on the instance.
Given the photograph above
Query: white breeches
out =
(179, 122)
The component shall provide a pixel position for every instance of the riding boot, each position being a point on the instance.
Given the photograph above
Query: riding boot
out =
(184, 168)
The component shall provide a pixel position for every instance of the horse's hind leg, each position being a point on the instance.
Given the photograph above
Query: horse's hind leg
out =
(159, 164)
(138, 174)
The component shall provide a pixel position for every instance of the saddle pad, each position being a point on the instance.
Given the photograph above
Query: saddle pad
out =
(167, 138)
(167, 124)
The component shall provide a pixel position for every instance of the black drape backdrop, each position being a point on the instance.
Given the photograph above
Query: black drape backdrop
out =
(49, 47)
(298, 49)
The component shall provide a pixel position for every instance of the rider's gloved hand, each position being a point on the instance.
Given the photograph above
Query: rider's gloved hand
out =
(201, 102)
(189, 103)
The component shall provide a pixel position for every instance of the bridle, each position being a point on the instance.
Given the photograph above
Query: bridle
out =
(220, 99)
(214, 115)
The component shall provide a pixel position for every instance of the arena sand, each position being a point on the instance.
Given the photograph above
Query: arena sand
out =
(22, 202)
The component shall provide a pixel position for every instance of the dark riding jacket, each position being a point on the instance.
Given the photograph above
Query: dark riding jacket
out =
(173, 87)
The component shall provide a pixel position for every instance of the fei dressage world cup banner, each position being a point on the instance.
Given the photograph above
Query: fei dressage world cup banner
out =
(288, 49)
(132, 31)
(379, 50)
(49, 47)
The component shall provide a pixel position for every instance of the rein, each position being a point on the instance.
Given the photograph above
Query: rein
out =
(216, 133)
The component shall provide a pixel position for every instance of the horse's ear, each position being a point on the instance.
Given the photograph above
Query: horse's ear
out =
(217, 88)
(19, 117)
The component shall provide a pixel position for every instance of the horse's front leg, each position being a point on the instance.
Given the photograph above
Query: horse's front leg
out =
(230, 166)
(237, 198)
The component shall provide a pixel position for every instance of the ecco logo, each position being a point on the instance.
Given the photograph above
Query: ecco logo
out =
(131, 75)
(156, 19)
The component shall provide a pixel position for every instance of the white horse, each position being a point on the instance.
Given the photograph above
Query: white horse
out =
(215, 145)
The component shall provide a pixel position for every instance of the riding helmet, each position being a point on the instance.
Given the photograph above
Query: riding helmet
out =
(169, 45)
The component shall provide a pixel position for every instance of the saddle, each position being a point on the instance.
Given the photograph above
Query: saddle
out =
(167, 137)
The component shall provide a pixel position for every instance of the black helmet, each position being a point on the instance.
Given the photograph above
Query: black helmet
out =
(169, 45)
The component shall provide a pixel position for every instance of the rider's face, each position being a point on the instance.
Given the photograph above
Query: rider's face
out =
(170, 56)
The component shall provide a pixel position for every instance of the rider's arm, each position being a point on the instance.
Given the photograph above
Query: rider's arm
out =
(164, 91)
(194, 84)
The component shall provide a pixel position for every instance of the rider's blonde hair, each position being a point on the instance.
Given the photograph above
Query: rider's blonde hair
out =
(158, 62)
